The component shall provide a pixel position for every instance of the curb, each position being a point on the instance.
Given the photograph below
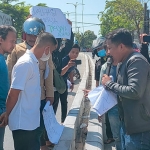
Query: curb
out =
(94, 140)
(72, 122)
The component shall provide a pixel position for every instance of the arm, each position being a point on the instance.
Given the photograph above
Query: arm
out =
(144, 51)
(11, 61)
(68, 45)
(12, 100)
(10, 104)
(71, 80)
(102, 72)
(16, 86)
(65, 69)
(49, 82)
(137, 73)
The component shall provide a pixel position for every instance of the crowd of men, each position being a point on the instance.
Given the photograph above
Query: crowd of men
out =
(29, 69)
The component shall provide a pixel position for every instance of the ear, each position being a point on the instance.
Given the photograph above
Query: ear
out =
(121, 46)
(47, 48)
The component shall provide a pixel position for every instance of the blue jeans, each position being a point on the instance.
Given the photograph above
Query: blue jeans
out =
(114, 120)
(138, 141)
(2, 131)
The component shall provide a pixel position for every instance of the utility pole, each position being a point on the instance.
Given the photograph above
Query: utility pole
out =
(82, 16)
(146, 19)
(75, 5)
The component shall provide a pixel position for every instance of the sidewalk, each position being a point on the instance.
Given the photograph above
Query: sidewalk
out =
(8, 141)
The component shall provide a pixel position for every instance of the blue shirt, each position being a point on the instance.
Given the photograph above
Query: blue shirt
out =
(65, 61)
(4, 81)
(112, 72)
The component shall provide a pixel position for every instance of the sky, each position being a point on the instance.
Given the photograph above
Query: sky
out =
(91, 9)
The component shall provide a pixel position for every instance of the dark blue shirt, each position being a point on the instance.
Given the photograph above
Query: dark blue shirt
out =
(65, 61)
(4, 81)
(113, 72)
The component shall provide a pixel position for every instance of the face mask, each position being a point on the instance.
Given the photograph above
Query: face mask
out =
(45, 57)
(101, 53)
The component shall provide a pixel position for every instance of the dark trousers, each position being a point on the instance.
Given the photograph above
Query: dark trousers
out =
(26, 140)
(41, 131)
(63, 100)
(108, 128)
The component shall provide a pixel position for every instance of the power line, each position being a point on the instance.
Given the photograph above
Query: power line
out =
(88, 23)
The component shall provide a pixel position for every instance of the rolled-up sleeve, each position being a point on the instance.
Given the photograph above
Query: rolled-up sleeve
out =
(49, 80)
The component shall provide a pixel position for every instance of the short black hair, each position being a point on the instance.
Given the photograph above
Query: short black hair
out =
(76, 46)
(44, 37)
(5, 29)
(119, 36)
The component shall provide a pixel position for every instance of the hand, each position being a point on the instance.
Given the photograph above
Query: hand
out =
(86, 92)
(51, 99)
(71, 63)
(141, 38)
(69, 22)
(72, 87)
(105, 79)
(100, 118)
(4, 120)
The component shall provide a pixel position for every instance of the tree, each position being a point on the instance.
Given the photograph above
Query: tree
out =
(122, 14)
(18, 12)
(86, 39)
(42, 4)
(8, 1)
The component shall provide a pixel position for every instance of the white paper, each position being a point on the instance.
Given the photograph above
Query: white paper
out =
(53, 128)
(102, 99)
(54, 20)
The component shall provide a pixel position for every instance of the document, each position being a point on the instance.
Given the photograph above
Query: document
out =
(53, 128)
(102, 99)
(54, 20)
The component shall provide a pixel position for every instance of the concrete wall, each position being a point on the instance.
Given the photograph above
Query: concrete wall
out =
(72, 122)
(94, 140)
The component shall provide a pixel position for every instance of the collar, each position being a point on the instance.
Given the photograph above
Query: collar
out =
(28, 46)
(32, 55)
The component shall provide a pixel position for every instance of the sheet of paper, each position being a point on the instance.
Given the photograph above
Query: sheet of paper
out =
(94, 94)
(102, 99)
(54, 20)
(53, 128)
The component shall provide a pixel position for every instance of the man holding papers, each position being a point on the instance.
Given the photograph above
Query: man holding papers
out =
(132, 89)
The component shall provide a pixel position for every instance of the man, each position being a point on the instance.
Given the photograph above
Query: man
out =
(32, 27)
(7, 43)
(112, 116)
(68, 66)
(57, 57)
(132, 88)
(23, 102)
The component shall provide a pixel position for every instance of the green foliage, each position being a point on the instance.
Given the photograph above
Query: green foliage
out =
(122, 14)
(8, 1)
(18, 12)
(86, 39)
(42, 4)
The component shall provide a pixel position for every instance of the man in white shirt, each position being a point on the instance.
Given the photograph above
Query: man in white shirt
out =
(23, 101)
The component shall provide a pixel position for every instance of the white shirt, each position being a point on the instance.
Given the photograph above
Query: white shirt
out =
(26, 77)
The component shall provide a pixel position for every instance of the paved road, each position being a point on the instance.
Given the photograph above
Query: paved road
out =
(8, 141)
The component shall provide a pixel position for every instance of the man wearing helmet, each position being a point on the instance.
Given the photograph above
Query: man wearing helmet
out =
(33, 27)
